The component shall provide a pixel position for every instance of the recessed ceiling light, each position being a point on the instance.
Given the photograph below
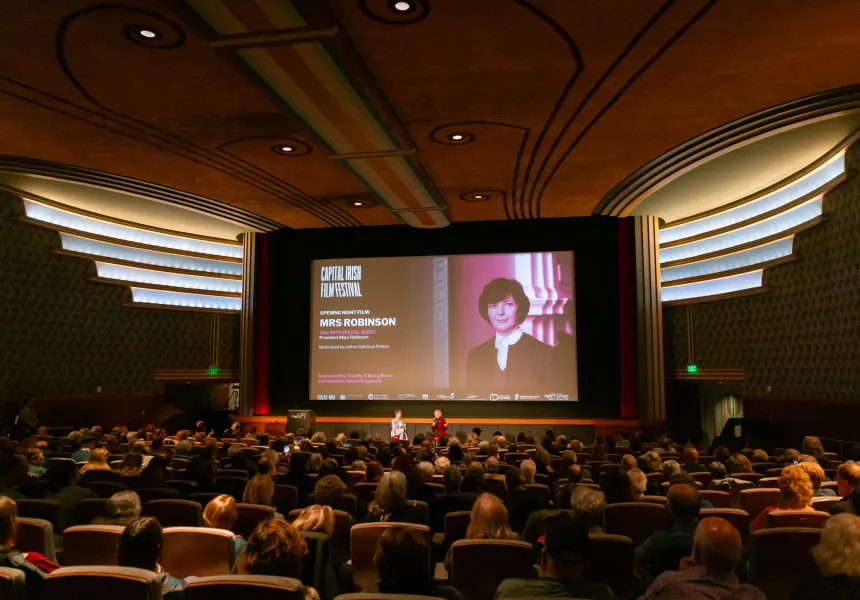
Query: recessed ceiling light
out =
(402, 6)
(479, 196)
(457, 136)
(357, 203)
(287, 148)
(148, 34)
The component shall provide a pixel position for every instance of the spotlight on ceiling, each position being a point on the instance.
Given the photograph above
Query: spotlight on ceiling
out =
(291, 147)
(148, 33)
(457, 136)
(479, 197)
(286, 149)
(476, 196)
(357, 202)
(402, 6)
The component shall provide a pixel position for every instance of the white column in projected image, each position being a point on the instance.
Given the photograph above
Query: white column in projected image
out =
(544, 281)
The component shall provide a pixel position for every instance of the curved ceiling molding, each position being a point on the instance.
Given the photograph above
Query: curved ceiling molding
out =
(353, 122)
(637, 186)
(722, 253)
(163, 268)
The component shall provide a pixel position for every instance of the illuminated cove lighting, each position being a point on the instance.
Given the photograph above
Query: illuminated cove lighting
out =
(54, 216)
(737, 260)
(96, 248)
(757, 231)
(135, 275)
(821, 176)
(184, 299)
(712, 287)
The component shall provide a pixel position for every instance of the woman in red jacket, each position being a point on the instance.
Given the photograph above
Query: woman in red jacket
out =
(439, 427)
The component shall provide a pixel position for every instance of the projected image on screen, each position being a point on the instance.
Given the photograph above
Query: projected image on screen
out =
(465, 327)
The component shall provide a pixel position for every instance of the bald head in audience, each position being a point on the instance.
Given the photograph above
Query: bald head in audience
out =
(683, 503)
(574, 474)
(717, 547)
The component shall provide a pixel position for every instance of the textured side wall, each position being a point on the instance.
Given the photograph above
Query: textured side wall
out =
(803, 338)
(61, 335)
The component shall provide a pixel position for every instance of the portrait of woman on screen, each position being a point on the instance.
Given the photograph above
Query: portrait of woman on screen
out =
(511, 361)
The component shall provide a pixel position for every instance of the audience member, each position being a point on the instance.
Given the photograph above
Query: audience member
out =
(131, 465)
(663, 550)
(331, 491)
(316, 518)
(520, 502)
(760, 456)
(587, 507)
(617, 486)
(374, 472)
(529, 469)
(402, 559)
(628, 461)
(221, 513)
(260, 490)
(816, 476)
(66, 492)
(710, 572)
(122, 508)
(795, 493)
(492, 465)
(35, 461)
(97, 461)
(813, 447)
(489, 520)
(390, 502)
(836, 556)
(473, 482)
(670, 467)
(442, 463)
(563, 561)
(14, 559)
(691, 461)
(275, 548)
(847, 481)
(140, 547)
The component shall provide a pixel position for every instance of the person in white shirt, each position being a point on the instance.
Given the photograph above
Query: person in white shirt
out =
(398, 426)
(511, 361)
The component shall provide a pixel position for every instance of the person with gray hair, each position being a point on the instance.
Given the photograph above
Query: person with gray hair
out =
(492, 464)
(390, 503)
(122, 508)
(426, 469)
(670, 467)
(483, 447)
(529, 469)
(442, 463)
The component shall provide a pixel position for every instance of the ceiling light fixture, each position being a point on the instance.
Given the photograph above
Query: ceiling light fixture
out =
(456, 136)
(148, 34)
(291, 147)
(402, 6)
(287, 148)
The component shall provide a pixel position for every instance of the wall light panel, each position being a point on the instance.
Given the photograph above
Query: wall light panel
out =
(135, 275)
(186, 300)
(55, 216)
(745, 258)
(724, 285)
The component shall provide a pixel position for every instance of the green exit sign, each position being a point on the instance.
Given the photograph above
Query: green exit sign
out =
(214, 370)
(690, 369)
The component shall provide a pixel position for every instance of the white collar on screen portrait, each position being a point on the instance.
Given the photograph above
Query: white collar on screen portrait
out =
(503, 342)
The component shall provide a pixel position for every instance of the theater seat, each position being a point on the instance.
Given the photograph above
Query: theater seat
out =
(286, 498)
(363, 545)
(46, 510)
(479, 566)
(199, 551)
(232, 486)
(174, 512)
(781, 559)
(798, 518)
(203, 498)
(13, 584)
(824, 503)
(35, 535)
(636, 520)
(106, 489)
(374, 596)
(126, 583)
(161, 493)
(611, 561)
(90, 509)
(91, 544)
(249, 516)
(717, 498)
(183, 487)
(233, 587)
(756, 500)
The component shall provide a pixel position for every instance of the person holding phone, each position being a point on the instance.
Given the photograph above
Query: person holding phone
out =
(439, 427)
(398, 426)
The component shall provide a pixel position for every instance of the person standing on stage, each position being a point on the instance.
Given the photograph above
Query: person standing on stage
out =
(439, 427)
(398, 426)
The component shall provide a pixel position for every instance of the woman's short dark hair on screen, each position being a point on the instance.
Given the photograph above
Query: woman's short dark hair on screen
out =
(499, 289)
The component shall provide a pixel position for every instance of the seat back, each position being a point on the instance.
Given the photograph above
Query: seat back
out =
(736, 486)
(768, 482)
(752, 477)
(46, 510)
(636, 520)
(233, 486)
(286, 498)
(456, 524)
(479, 566)
(109, 582)
(233, 587)
(445, 505)
(91, 544)
(611, 561)
(757, 499)
(703, 478)
(100, 475)
(175, 512)
(203, 498)
(241, 473)
(35, 535)
(183, 487)
(162, 493)
(106, 489)
(363, 542)
(739, 518)
(540, 490)
(781, 559)
(512, 458)
(824, 503)
(798, 518)
(662, 500)
(13, 584)
(182, 553)
(249, 516)
(717, 498)
(90, 509)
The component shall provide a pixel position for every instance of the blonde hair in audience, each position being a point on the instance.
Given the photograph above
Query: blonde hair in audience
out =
(795, 485)
(638, 479)
(316, 518)
(760, 456)
(221, 512)
(97, 461)
(489, 519)
(588, 506)
(815, 472)
(738, 463)
(391, 491)
(837, 552)
(260, 490)
(8, 522)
